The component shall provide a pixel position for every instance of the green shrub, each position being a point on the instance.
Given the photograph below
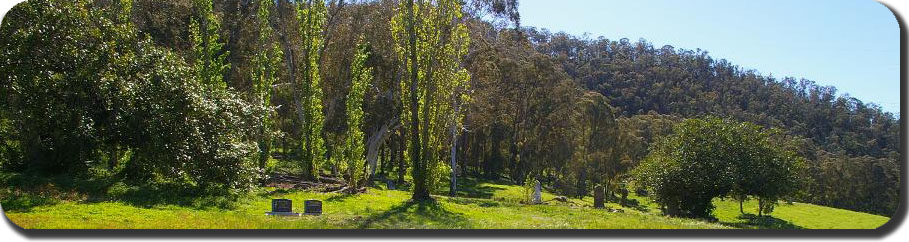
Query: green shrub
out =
(118, 190)
(529, 183)
(86, 89)
(708, 158)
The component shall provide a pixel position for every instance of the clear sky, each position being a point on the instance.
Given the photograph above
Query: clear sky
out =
(850, 44)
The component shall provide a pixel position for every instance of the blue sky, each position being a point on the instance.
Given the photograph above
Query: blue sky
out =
(850, 44)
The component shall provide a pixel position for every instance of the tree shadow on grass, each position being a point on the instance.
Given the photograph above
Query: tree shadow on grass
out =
(151, 195)
(339, 197)
(24, 202)
(761, 222)
(472, 201)
(22, 192)
(277, 192)
(473, 188)
(427, 214)
(633, 204)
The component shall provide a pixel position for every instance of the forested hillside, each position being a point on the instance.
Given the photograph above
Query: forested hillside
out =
(204, 98)
(853, 147)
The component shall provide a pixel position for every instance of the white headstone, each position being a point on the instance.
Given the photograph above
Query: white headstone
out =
(537, 193)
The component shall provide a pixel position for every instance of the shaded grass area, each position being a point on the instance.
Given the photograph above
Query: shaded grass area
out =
(480, 204)
(23, 192)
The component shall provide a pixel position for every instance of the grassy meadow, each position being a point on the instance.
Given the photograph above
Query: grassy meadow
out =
(480, 205)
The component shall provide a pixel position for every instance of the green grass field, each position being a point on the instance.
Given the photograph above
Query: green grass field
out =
(796, 216)
(480, 205)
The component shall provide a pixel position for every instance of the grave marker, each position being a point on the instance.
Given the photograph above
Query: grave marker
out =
(537, 193)
(312, 207)
(598, 193)
(282, 207)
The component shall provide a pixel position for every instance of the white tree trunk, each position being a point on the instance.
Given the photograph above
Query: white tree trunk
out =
(375, 141)
(454, 146)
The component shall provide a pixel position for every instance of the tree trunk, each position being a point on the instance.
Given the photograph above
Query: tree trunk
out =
(374, 143)
(309, 169)
(264, 152)
(454, 173)
(760, 207)
(420, 191)
(606, 192)
(741, 207)
(389, 158)
(290, 61)
(113, 159)
(454, 150)
(402, 164)
(381, 161)
(242, 9)
(284, 153)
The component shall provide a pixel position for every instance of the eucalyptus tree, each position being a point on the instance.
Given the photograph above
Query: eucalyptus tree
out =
(597, 139)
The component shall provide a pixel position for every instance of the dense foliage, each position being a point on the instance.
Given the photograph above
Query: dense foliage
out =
(431, 39)
(355, 142)
(84, 90)
(640, 79)
(125, 86)
(209, 57)
(709, 158)
(265, 72)
(312, 19)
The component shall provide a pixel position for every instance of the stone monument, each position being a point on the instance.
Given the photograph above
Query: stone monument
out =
(537, 193)
(598, 193)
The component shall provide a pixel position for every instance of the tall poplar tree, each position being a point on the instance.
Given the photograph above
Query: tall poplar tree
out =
(265, 72)
(431, 39)
(208, 53)
(355, 148)
(312, 17)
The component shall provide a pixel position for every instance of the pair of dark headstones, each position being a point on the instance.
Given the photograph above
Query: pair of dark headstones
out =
(284, 207)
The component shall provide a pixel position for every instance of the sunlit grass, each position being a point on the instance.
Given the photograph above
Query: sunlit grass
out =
(479, 205)
(796, 215)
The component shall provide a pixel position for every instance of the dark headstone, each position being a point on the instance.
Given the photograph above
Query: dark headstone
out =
(312, 207)
(390, 185)
(282, 205)
(598, 193)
